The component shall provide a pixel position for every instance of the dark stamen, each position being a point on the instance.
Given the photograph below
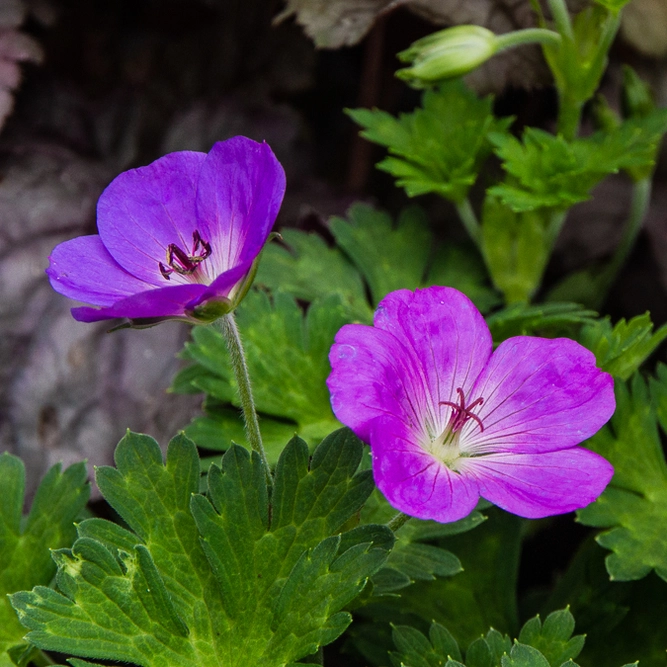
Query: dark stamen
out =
(180, 262)
(463, 413)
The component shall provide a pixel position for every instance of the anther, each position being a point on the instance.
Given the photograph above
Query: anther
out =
(178, 261)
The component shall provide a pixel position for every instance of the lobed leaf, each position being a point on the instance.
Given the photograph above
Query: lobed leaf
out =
(439, 147)
(25, 559)
(222, 579)
(634, 505)
(547, 171)
(621, 350)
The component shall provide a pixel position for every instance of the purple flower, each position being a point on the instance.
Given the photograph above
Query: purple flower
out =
(178, 239)
(449, 420)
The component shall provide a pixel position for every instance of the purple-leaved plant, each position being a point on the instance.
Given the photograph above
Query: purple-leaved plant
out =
(449, 420)
(178, 239)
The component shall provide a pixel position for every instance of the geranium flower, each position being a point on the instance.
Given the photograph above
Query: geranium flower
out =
(178, 239)
(449, 420)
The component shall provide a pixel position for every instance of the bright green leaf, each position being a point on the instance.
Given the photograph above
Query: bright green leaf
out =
(25, 559)
(438, 147)
(524, 656)
(621, 350)
(548, 171)
(415, 650)
(634, 505)
(221, 579)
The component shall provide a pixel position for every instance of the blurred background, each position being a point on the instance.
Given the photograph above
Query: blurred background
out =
(90, 88)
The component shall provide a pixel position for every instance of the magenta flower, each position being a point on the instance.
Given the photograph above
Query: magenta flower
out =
(178, 239)
(449, 420)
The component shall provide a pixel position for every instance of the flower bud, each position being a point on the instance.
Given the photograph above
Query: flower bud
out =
(447, 53)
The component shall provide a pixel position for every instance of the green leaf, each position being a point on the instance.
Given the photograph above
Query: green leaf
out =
(488, 650)
(547, 171)
(553, 638)
(614, 6)
(400, 256)
(284, 349)
(25, 560)
(411, 559)
(415, 650)
(222, 579)
(621, 350)
(524, 656)
(548, 320)
(516, 249)
(634, 505)
(623, 621)
(439, 147)
(308, 269)
(389, 256)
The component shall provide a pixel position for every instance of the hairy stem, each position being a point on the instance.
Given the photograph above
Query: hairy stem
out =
(230, 332)
(400, 519)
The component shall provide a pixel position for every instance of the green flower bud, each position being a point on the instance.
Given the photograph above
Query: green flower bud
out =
(447, 53)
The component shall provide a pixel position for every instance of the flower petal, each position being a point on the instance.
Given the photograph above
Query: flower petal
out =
(165, 302)
(82, 269)
(143, 210)
(539, 485)
(240, 189)
(413, 481)
(448, 340)
(370, 378)
(540, 395)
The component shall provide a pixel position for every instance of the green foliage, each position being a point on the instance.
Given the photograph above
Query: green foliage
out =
(548, 320)
(621, 350)
(383, 254)
(438, 147)
(548, 171)
(217, 579)
(413, 557)
(388, 256)
(287, 356)
(623, 621)
(634, 505)
(516, 248)
(612, 5)
(308, 269)
(25, 559)
(548, 645)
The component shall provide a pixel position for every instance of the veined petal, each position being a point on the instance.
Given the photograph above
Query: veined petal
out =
(370, 378)
(448, 340)
(539, 485)
(82, 269)
(540, 395)
(143, 210)
(239, 192)
(413, 481)
(163, 302)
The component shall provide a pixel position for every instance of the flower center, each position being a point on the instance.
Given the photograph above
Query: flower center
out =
(178, 261)
(446, 446)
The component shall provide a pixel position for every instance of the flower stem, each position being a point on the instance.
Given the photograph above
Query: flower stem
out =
(469, 220)
(561, 17)
(230, 332)
(527, 36)
(395, 523)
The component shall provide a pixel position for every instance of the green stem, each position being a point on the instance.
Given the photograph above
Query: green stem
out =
(230, 332)
(41, 659)
(569, 114)
(400, 519)
(641, 198)
(561, 18)
(554, 225)
(527, 36)
(469, 220)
